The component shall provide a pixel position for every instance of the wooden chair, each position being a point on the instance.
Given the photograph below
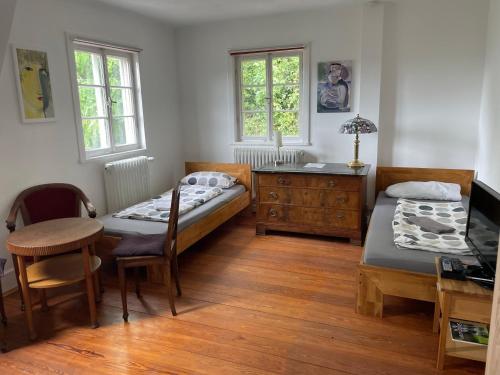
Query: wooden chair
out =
(147, 250)
(47, 202)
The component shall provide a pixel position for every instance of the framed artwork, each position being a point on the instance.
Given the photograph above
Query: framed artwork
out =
(34, 87)
(334, 86)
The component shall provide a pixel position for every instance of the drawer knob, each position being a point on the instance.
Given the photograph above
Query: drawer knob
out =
(273, 195)
(282, 180)
(273, 212)
(332, 183)
(340, 215)
(341, 199)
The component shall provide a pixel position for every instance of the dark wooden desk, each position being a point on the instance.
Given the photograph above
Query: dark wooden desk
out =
(57, 237)
(327, 201)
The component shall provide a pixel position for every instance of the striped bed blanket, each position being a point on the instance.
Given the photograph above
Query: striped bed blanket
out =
(158, 208)
(411, 236)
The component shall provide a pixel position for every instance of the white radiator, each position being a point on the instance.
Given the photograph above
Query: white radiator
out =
(127, 182)
(258, 156)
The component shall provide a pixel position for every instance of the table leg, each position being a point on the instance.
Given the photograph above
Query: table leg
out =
(90, 286)
(19, 288)
(28, 307)
(443, 331)
(99, 286)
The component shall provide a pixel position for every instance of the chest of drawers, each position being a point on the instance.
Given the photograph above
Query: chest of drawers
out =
(327, 201)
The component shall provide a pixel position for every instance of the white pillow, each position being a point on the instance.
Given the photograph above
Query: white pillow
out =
(208, 178)
(442, 191)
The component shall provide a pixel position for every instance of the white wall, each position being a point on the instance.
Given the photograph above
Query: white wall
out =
(335, 33)
(418, 75)
(431, 82)
(488, 161)
(39, 153)
(204, 68)
(7, 8)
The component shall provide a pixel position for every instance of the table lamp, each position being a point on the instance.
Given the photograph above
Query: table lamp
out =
(357, 125)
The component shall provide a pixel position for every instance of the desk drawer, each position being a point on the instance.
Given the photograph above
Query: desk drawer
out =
(318, 217)
(470, 308)
(309, 197)
(342, 183)
(342, 199)
(272, 213)
(281, 179)
(342, 218)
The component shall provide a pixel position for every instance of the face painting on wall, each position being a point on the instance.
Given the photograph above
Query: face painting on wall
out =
(34, 86)
(334, 86)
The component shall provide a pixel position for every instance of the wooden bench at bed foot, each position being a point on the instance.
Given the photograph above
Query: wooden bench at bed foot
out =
(376, 282)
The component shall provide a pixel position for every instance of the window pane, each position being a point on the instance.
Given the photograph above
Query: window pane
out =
(92, 101)
(253, 72)
(123, 103)
(254, 98)
(286, 69)
(286, 97)
(95, 136)
(124, 131)
(119, 71)
(255, 124)
(287, 123)
(88, 68)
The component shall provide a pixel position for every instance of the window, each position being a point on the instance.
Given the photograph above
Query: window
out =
(107, 97)
(271, 94)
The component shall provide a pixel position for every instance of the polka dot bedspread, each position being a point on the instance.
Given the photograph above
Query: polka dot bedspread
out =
(411, 236)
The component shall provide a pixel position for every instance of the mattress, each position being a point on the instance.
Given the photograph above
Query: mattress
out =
(379, 244)
(114, 226)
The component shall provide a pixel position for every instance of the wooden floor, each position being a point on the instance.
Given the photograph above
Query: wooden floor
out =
(253, 305)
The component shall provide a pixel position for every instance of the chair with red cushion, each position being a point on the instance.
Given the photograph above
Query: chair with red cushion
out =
(47, 202)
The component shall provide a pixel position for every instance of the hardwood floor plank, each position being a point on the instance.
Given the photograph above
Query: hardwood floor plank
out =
(277, 304)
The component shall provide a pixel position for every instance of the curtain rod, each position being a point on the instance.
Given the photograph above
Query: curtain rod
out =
(265, 50)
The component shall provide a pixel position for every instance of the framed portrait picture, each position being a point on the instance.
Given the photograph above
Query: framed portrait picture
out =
(34, 86)
(334, 86)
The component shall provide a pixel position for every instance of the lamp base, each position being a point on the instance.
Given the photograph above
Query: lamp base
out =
(356, 163)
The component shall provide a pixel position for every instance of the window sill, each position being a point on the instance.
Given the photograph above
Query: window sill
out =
(114, 156)
(269, 144)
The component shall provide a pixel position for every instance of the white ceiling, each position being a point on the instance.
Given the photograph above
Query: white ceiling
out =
(188, 12)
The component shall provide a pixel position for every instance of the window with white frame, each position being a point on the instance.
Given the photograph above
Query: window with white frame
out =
(107, 95)
(272, 94)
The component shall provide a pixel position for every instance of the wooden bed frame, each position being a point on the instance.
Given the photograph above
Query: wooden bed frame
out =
(198, 230)
(375, 282)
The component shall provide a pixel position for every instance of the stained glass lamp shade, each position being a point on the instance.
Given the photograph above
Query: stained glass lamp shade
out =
(357, 126)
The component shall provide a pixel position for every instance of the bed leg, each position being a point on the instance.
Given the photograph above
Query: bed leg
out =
(369, 299)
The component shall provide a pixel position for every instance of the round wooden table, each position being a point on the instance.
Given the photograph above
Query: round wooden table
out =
(57, 237)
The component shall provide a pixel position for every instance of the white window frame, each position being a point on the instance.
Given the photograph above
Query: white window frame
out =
(304, 114)
(104, 49)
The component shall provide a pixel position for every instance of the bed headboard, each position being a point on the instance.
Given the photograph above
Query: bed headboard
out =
(391, 175)
(243, 172)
